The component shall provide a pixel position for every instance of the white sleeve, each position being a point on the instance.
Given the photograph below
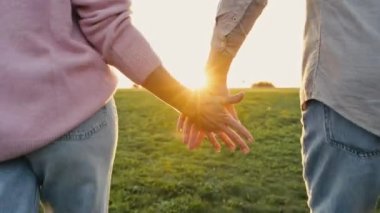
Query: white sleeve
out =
(234, 21)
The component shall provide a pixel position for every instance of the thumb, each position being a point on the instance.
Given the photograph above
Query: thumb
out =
(234, 99)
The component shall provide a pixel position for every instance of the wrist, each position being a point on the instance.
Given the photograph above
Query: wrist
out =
(186, 102)
(219, 89)
(169, 90)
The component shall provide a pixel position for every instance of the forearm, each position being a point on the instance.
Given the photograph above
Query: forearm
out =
(169, 90)
(217, 68)
(228, 37)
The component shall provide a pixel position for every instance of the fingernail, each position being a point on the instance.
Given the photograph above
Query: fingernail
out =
(245, 150)
(251, 140)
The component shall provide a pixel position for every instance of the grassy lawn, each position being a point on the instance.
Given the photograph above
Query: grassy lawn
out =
(154, 172)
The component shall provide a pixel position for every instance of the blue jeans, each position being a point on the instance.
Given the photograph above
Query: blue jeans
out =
(341, 162)
(72, 174)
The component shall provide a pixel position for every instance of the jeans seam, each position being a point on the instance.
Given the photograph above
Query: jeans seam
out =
(83, 135)
(339, 145)
(111, 109)
(37, 200)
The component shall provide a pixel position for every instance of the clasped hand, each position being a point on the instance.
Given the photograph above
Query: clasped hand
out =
(213, 116)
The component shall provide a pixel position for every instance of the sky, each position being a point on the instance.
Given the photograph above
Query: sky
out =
(180, 33)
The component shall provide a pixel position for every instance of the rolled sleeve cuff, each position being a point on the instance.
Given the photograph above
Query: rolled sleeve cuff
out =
(233, 23)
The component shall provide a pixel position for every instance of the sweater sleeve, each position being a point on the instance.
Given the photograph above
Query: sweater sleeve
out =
(107, 26)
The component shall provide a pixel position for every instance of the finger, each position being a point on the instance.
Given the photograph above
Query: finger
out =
(239, 128)
(198, 140)
(229, 143)
(233, 99)
(237, 139)
(180, 121)
(231, 109)
(192, 137)
(212, 138)
(186, 130)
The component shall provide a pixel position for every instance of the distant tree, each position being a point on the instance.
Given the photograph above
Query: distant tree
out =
(263, 84)
(136, 86)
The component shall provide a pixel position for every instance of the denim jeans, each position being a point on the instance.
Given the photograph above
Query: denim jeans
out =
(72, 174)
(341, 162)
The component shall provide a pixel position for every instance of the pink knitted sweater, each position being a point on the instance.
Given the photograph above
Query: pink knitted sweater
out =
(53, 66)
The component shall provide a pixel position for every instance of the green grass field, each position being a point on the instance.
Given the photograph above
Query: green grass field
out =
(154, 172)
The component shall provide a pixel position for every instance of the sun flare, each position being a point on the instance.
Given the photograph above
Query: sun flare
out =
(197, 82)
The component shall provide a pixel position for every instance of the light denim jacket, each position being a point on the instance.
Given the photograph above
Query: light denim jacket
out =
(341, 63)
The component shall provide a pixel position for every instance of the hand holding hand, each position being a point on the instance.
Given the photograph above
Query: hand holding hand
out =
(231, 131)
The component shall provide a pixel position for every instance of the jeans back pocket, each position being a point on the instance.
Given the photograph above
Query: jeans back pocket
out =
(346, 135)
(87, 128)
